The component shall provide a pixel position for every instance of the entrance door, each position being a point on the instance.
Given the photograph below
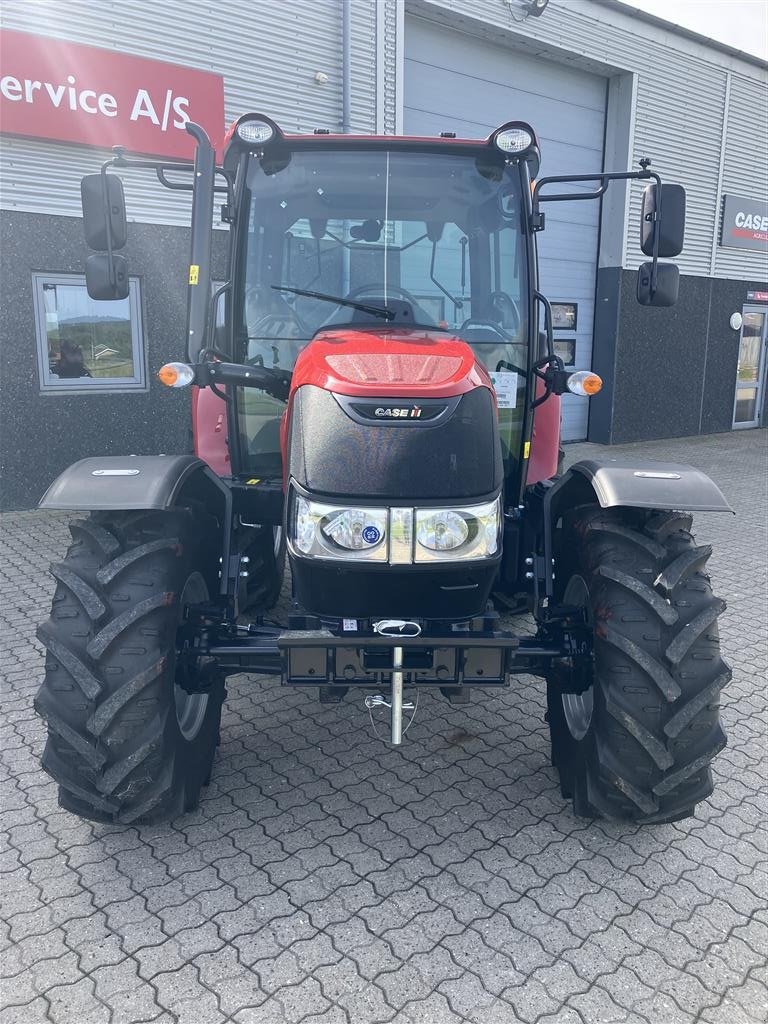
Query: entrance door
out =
(750, 373)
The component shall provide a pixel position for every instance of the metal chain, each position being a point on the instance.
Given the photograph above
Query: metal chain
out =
(377, 701)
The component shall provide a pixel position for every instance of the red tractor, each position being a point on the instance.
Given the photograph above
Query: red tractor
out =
(375, 391)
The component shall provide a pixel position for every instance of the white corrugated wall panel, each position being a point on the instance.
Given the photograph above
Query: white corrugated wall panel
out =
(745, 170)
(363, 113)
(389, 70)
(680, 103)
(683, 139)
(268, 52)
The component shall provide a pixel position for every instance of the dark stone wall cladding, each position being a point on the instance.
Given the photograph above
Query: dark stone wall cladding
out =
(41, 434)
(666, 372)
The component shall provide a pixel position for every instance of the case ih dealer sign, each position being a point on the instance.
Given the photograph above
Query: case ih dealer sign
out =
(54, 89)
(745, 223)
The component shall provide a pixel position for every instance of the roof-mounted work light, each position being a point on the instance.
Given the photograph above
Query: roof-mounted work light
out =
(514, 141)
(256, 130)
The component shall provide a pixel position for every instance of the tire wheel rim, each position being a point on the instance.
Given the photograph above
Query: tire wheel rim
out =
(578, 707)
(191, 707)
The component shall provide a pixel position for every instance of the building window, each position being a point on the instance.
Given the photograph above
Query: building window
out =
(84, 345)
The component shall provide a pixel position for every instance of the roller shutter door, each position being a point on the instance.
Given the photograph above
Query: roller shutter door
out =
(456, 82)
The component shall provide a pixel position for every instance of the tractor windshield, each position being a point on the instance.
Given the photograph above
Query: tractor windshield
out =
(375, 238)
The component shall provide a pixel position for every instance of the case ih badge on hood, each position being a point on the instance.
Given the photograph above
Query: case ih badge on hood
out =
(345, 417)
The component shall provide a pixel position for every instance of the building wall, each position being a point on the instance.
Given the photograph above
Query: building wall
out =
(44, 433)
(678, 112)
(268, 53)
(666, 372)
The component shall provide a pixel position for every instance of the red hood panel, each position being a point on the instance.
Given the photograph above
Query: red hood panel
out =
(397, 362)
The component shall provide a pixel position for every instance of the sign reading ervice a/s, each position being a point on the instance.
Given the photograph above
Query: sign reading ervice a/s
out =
(745, 223)
(55, 89)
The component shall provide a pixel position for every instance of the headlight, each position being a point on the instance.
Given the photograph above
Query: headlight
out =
(458, 533)
(255, 132)
(327, 531)
(514, 140)
(398, 536)
(442, 530)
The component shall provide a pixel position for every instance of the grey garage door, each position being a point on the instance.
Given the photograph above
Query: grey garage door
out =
(456, 82)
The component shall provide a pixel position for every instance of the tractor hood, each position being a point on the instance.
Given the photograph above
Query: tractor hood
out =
(394, 362)
(393, 415)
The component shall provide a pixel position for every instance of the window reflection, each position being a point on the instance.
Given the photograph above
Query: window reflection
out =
(83, 343)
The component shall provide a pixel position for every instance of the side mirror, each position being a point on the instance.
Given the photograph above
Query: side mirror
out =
(671, 227)
(106, 277)
(667, 284)
(95, 212)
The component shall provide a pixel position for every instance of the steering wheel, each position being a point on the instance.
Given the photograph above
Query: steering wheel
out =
(500, 299)
(377, 289)
(475, 321)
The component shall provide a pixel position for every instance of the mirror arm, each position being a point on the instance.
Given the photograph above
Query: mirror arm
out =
(605, 178)
(108, 222)
(161, 169)
(657, 222)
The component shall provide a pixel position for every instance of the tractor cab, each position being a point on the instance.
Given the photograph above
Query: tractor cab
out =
(387, 241)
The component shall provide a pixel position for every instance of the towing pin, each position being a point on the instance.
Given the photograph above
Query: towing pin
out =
(396, 719)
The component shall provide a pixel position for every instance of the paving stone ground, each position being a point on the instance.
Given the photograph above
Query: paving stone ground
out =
(328, 879)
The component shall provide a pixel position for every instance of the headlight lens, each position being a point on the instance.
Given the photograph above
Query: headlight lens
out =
(398, 536)
(442, 530)
(458, 533)
(514, 140)
(255, 132)
(327, 531)
(353, 530)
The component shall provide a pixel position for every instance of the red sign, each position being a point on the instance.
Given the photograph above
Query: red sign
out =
(54, 89)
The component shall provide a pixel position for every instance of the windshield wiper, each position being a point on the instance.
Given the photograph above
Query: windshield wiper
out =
(385, 314)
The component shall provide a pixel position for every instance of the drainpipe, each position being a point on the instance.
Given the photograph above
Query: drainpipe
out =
(346, 67)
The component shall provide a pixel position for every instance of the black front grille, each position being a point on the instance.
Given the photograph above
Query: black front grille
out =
(453, 453)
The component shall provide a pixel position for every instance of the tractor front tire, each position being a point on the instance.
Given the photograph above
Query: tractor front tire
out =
(133, 715)
(638, 743)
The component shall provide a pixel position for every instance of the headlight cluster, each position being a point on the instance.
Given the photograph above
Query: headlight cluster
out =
(399, 536)
(327, 531)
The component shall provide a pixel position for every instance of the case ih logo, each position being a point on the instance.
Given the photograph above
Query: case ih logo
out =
(54, 89)
(745, 223)
(412, 412)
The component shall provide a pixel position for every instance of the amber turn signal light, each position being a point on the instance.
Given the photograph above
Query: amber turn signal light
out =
(584, 382)
(176, 375)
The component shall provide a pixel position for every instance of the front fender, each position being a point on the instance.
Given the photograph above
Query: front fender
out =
(630, 483)
(126, 482)
(640, 484)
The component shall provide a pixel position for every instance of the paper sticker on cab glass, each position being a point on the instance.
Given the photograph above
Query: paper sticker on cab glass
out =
(505, 385)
